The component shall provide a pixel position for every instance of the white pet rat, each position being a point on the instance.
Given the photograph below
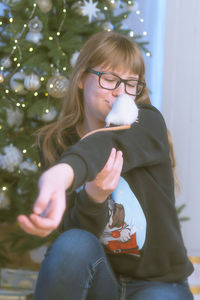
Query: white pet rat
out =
(124, 112)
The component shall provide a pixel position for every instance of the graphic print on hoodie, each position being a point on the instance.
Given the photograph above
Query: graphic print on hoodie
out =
(126, 230)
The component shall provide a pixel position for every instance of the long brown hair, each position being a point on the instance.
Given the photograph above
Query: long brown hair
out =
(106, 49)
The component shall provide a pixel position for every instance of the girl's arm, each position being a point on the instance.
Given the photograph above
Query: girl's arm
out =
(50, 205)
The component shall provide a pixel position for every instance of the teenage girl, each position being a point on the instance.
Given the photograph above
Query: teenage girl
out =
(121, 237)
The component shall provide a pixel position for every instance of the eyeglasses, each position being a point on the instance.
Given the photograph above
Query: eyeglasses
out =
(111, 81)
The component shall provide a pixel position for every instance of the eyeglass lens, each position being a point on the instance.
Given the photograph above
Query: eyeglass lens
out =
(110, 81)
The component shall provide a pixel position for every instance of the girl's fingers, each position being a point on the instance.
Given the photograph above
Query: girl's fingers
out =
(28, 226)
(110, 162)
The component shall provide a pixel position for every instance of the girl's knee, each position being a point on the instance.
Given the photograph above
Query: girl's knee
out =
(75, 244)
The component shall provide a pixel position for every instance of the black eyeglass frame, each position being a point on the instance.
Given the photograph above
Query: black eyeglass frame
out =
(99, 74)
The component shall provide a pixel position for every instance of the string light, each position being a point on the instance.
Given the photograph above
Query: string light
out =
(1, 23)
(64, 68)
(4, 188)
(131, 33)
(11, 20)
(24, 151)
(18, 104)
(23, 105)
(35, 94)
(18, 65)
(42, 78)
(30, 49)
(51, 38)
(46, 94)
(6, 91)
(39, 164)
(1, 127)
(105, 8)
(47, 111)
(148, 54)
(137, 12)
(15, 59)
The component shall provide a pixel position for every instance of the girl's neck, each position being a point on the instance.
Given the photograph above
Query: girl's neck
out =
(88, 126)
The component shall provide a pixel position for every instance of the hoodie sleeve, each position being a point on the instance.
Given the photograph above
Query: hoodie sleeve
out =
(85, 214)
(143, 145)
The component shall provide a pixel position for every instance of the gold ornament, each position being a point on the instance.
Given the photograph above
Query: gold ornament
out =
(112, 4)
(44, 5)
(57, 86)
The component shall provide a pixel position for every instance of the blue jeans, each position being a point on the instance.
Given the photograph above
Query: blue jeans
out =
(76, 268)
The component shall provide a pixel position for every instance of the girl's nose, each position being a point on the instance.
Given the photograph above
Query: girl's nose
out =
(120, 90)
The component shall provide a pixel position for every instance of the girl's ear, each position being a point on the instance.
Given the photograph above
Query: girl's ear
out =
(81, 82)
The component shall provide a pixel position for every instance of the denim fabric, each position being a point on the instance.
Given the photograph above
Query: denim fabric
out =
(76, 268)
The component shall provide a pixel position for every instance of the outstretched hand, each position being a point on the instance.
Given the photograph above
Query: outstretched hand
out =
(50, 204)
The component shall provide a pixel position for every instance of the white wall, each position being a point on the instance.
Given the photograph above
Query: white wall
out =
(181, 107)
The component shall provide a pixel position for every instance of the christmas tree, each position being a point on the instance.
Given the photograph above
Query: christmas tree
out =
(39, 44)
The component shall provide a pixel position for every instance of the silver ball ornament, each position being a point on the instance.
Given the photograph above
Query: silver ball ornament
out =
(17, 83)
(35, 25)
(32, 82)
(57, 86)
(107, 26)
(132, 5)
(34, 37)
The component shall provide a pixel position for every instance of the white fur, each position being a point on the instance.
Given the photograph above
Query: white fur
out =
(124, 111)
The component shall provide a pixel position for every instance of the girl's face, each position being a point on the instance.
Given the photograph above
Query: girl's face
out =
(97, 100)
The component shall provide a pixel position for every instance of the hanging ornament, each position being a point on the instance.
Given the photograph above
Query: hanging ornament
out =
(132, 5)
(107, 26)
(77, 7)
(14, 117)
(44, 5)
(57, 85)
(34, 35)
(74, 57)
(17, 83)
(32, 82)
(4, 201)
(11, 159)
(28, 166)
(112, 4)
(1, 78)
(35, 25)
(90, 9)
(6, 62)
(49, 115)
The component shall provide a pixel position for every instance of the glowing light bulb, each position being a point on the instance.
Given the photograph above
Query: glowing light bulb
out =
(51, 38)
(4, 188)
(24, 151)
(30, 49)
(42, 78)
(35, 94)
(11, 20)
